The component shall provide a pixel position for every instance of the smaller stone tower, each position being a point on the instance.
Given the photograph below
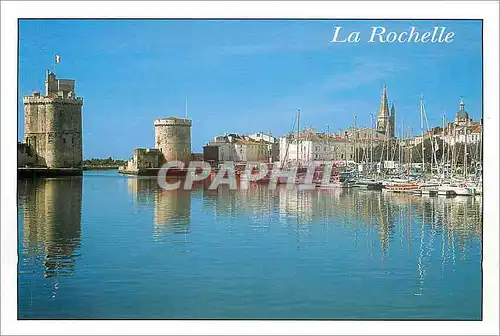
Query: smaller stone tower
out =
(53, 124)
(173, 138)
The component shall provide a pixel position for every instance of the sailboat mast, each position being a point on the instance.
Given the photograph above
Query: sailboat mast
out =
(449, 147)
(476, 157)
(481, 149)
(422, 130)
(387, 141)
(444, 142)
(453, 151)
(399, 146)
(371, 146)
(465, 153)
(355, 141)
(298, 130)
(410, 166)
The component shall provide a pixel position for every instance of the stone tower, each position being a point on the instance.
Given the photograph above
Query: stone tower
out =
(53, 124)
(383, 113)
(173, 138)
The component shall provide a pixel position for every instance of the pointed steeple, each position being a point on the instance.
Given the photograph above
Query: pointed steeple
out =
(383, 113)
(384, 105)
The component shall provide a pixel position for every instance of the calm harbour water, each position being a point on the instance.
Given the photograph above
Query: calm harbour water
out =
(112, 246)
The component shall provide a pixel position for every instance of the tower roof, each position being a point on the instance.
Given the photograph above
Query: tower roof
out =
(462, 114)
(384, 105)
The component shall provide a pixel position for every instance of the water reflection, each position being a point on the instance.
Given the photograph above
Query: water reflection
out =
(52, 223)
(142, 189)
(278, 253)
(393, 216)
(171, 208)
(390, 216)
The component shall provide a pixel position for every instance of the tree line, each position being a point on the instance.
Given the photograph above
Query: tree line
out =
(104, 162)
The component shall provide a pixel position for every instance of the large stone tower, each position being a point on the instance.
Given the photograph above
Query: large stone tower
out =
(53, 124)
(173, 138)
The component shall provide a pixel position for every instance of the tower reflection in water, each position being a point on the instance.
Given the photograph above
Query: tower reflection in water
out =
(172, 210)
(52, 223)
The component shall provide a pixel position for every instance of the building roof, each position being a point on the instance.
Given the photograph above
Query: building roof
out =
(462, 114)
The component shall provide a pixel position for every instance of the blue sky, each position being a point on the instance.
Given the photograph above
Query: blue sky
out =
(244, 76)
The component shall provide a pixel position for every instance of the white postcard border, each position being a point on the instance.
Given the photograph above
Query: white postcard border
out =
(11, 11)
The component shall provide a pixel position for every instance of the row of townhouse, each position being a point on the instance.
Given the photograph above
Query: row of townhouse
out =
(258, 147)
(310, 145)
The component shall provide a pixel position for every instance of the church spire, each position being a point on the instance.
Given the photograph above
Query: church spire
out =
(383, 113)
(384, 105)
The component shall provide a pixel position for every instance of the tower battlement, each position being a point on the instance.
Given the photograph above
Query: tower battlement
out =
(37, 99)
(172, 121)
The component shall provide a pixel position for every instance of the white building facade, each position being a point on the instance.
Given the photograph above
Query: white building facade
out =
(242, 148)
